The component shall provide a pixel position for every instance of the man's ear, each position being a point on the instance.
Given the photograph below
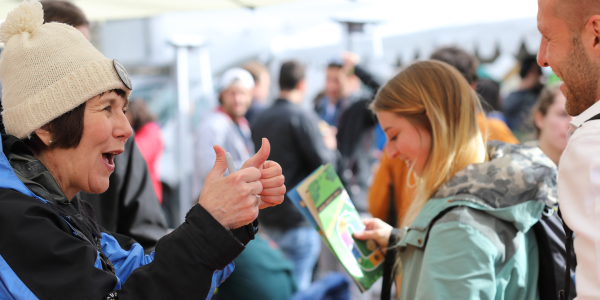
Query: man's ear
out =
(592, 33)
(301, 86)
(44, 135)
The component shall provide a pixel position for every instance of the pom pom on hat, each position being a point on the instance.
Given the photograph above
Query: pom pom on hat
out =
(28, 16)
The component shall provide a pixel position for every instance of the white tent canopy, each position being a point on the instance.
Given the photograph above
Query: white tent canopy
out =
(102, 10)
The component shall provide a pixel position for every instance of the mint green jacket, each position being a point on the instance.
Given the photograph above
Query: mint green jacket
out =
(472, 240)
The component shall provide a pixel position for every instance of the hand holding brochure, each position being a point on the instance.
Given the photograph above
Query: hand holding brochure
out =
(323, 201)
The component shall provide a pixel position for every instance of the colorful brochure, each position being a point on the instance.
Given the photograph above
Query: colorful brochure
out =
(323, 201)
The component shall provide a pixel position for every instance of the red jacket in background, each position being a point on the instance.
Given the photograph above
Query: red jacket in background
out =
(150, 141)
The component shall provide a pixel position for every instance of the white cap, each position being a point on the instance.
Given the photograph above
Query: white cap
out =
(238, 76)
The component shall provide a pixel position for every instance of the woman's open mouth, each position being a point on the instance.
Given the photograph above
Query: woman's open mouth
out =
(109, 159)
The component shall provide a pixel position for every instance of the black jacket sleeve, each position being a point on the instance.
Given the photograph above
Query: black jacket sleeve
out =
(367, 79)
(130, 206)
(39, 246)
(185, 260)
(311, 144)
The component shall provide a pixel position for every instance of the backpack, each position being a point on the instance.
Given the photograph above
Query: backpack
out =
(554, 261)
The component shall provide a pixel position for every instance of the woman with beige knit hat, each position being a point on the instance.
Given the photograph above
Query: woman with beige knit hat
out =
(64, 113)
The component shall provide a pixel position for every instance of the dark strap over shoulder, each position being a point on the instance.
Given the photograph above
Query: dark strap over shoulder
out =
(388, 265)
(563, 294)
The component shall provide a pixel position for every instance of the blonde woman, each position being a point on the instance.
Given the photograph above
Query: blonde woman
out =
(466, 234)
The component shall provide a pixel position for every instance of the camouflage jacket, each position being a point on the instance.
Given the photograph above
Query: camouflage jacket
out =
(481, 248)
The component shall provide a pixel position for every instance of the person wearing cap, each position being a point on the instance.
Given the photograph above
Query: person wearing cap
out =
(225, 126)
(64, 115)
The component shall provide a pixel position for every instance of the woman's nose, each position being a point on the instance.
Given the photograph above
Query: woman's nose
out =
(392, 152)
(123, 129)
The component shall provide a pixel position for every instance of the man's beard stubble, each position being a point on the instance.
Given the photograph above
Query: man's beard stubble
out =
(580, 76)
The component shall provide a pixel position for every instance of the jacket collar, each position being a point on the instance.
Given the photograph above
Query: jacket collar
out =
(584, 117)
(19, 160)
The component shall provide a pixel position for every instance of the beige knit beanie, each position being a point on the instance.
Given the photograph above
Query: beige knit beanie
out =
(48, 70)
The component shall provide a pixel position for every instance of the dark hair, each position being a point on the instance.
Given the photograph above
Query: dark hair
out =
(335, 64)
(545, 100)
(464, 62)
(140, 115)
(527, 64)
(489, 90)
(256, 69)
(66, 130)
(63, 12)
(292, 72)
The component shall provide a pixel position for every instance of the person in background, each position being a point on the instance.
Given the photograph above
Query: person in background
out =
(330, 104)
(300, 148)
(391, 193)
(149, 139)
(225, 126)
(517, 105)
(130, 205)
(263, 272)
(489, 92)
(356, 136)
(551, 123)
(262, 86)
(569, 45)
(464, 236)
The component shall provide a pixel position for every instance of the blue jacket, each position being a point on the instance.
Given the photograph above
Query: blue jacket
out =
(52, 248)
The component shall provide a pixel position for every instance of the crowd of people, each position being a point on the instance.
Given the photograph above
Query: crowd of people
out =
(470, 195)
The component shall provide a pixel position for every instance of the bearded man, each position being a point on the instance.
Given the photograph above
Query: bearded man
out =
(571, 46)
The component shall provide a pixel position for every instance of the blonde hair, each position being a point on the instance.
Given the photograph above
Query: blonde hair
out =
(435, 96)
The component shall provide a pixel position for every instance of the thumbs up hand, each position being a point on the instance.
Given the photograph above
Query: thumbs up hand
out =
(271, 176)
(231, 200)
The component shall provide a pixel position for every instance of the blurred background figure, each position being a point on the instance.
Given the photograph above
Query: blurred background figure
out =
(517, 105)
(149, 139)
(298, 145)
(357, 136)
(263, 272)
(339, 85)
(224, 126)
(489, 92)
(262, 86)
(551, 123)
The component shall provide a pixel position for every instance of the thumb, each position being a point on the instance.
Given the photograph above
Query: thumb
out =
(365, 235)
(260, 157)
(220, 164)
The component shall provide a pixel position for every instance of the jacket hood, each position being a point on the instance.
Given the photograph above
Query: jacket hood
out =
(512, 175)
(516, 185)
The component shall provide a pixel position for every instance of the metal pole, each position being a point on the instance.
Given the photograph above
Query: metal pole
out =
(205, 73)
(185, 198)
(185, 160)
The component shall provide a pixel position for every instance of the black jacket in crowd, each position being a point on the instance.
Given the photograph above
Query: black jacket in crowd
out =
(356, 140)
(52, 248)
(298, 146)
